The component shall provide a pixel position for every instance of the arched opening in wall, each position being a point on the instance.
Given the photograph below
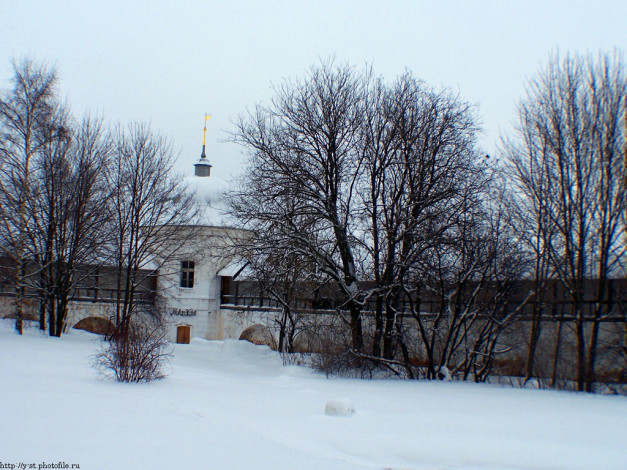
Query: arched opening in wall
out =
(97, 325)
(260, 335)
(183, 334)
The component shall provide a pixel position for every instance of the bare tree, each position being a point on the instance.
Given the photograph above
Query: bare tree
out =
(150, 211)
(419, 148)
(303, 149)
(286, 280)
(149, 215)
(380, 190)
(569, 163)
(68, 223)
(52, 170)
(28, 112)
(528, 174)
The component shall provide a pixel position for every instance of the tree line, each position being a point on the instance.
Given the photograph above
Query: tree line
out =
(380, 191)
(375, 190)
(76, 194)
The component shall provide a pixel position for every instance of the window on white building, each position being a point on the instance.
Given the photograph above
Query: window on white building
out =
(187, 274)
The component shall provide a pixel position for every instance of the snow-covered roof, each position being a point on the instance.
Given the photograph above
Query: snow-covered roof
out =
(232, 269)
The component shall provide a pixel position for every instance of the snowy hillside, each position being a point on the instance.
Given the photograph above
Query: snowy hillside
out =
(232, 405)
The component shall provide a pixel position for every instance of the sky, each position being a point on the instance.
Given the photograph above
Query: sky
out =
(169, 63)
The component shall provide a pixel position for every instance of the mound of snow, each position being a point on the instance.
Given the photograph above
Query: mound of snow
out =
(339, 407)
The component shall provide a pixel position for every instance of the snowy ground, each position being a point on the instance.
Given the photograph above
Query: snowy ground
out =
(232, 405)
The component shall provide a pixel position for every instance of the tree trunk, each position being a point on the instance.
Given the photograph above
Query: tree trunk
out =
(556, 353)
(534, 338)
(581, 351)
(356, 327)
(390, 318)
(378, 326)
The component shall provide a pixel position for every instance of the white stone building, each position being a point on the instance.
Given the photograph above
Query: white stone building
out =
(192, 280)
(191, 283)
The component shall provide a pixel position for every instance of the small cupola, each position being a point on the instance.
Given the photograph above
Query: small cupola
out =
(203, 167)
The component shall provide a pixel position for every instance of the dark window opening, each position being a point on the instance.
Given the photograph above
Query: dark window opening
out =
(187, 274)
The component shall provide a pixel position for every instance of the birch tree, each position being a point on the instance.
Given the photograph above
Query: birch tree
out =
(27, 114)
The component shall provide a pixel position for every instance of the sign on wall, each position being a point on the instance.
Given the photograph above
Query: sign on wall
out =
(183, 312)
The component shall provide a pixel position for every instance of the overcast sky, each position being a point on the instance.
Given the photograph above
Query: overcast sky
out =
(169, 62)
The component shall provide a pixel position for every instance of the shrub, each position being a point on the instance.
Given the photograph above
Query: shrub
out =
(135, 352)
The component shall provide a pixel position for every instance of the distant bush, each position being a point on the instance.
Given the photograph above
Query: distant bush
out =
(334, 355)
